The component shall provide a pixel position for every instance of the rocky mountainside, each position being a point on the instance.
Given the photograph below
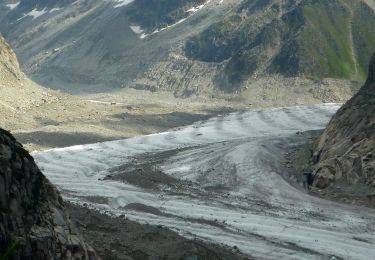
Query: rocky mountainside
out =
(191, 46)
(315, 38)
(152, 15)
(346, 150)
(8, 64)
(33, 220)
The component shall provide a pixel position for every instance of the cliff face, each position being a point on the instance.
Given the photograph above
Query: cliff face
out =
(32, 214)
(346, 150)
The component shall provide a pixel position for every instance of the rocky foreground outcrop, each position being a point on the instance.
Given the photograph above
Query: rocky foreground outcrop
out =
(346, 149)
(33, 221)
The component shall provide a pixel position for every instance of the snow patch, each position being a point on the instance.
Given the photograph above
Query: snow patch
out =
(169, 26)
(121, 3)
(36, 13)
(55, 9)
(195, 9)
(191, 12)
(12, 6)
(138, 30)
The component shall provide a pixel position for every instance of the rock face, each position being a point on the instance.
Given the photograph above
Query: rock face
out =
(346, 150)
(32, 214)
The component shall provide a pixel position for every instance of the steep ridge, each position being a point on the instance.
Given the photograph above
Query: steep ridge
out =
(194, 46)
(346, 150)
(33, 221)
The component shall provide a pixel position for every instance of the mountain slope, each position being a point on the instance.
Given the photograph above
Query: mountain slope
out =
(190, 46)
(18, 94)
(346, 150)
(22, 102)
(42, 118)
(153, 15)
(319, 39)
(67, 47)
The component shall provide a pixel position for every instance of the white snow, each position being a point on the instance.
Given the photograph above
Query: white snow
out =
(36, 13)
(12, 6)
(138, 30)
(55, 9)
(121, 3)
(258, 211)
(191, 12)
(195, 9)
(169, 26)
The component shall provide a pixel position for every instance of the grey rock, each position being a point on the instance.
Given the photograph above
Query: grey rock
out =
(32, 212)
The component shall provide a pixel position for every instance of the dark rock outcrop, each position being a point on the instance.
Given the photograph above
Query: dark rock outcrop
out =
(346, 149)
(33, 220)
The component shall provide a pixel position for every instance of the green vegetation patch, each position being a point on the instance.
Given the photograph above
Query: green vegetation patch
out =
(325, 42)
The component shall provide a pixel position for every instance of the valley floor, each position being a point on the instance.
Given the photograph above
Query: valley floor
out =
(117, 238)
(57, 120)
(222, 181)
